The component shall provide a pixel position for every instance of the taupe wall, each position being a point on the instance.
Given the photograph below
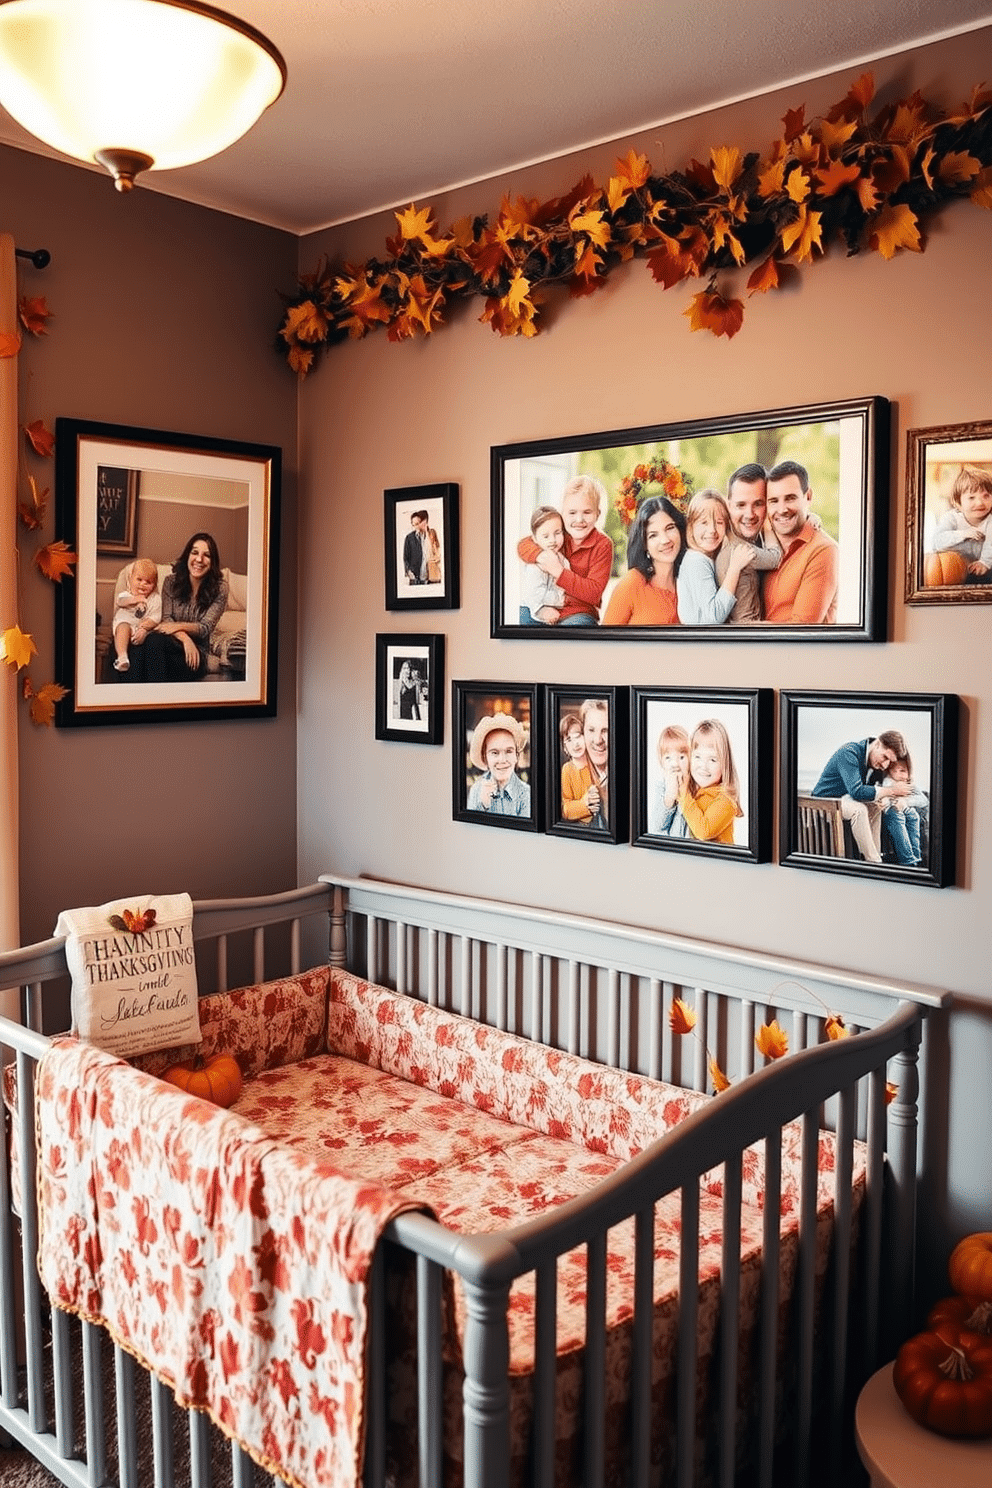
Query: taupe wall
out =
(163, 318)
(377, 415)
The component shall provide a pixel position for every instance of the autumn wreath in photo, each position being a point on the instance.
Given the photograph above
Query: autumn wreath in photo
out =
(676, 485)
(866, 180)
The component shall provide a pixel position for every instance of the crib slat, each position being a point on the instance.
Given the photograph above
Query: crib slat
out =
(258, 948)
(375, 1437)
(486, 1391)
(429, 1371)
(613, 1018)
(594, 1375)
(125, 1375)
(574, 996)
(545, 1363)
(501, 993)
(688, 1340)
(294, 945)
(642, 1344)
(165, 1473)
(769, 1305)
(8, 1352)
(199, 1449)
(747, 1039)
(842, 1268)
(432, 967)
(875, 1179)
(805, 1297)
(220, 955)
(465, 992)
(699, 1043)
(730, 1301)
(33, 1343)
(656, 1030)
(62, 1381)
(242, 1468)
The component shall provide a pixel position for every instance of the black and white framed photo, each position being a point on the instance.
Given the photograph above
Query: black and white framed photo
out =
(421, 547)
(868, 784)
(703, 770)
(495, 754)
(949, 514)
(756, 526)
(172, 612)
(587, 758)
(409, 688)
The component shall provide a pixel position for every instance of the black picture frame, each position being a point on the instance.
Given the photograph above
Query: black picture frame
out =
(409, 688)
(439, 588)
(939, 551)
(736, 730)
(567, 810)
(184, 485)
(822, 739)
(845, 447)
(471, 704)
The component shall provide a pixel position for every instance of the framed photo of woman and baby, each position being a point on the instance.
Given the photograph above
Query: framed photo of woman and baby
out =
(751, 526)
(171, 614)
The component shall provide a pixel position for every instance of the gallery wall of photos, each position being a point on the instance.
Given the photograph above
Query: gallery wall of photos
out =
(650, 534)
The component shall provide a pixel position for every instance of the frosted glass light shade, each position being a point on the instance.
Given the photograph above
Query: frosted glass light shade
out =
(134, 84)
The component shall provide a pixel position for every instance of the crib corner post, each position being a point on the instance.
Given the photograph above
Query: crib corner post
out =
(338, 933)
(486, 1392)
(903, 1132)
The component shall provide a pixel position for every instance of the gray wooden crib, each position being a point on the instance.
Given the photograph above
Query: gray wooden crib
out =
(604, 992)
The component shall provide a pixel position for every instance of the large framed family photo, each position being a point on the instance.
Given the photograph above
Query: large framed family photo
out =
(869, 784)
(496, 772)
(949, 514)
(703, 770)
(587, 762)
(420, 524)
(171, 614)
(751, 526)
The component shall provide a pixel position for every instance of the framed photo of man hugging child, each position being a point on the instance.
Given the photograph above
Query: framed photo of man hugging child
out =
(759, 526)
(703, 770)
(949, 515)
(587, 759)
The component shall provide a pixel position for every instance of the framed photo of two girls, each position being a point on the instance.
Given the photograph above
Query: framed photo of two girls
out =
(866, 781)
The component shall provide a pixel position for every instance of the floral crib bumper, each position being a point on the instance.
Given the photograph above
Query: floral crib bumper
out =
(230, 1250)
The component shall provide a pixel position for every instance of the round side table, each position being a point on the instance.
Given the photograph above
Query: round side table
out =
(900, 1454)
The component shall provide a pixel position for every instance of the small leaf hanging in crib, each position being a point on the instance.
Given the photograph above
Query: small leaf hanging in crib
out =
(835, 1027)
(681, 1017)
(891, 1091)
(771, 1040)
(720, 1081)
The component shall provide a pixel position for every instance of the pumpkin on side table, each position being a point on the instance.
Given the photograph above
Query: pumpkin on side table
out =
(217, 1078)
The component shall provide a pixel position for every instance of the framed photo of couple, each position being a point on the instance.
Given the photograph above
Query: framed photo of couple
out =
(171, 614)
(421, 547)
(409, 688)
(703, 771)
(765, 526)
(868, 784)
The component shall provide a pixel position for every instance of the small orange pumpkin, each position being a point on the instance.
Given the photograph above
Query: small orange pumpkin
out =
(945, 1381)
(970, 1266)
(940, 569)
(216, 1079)
(968, 1314)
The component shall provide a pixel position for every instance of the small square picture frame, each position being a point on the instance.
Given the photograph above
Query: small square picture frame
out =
(421, 547)
(496, 742)
(721, 806)
(948, 491)
(587, 762)
(409, 688)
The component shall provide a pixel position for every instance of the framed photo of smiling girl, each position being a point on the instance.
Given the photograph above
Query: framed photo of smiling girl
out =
(751, 526)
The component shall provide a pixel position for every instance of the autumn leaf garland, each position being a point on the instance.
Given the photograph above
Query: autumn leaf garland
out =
(867, 180)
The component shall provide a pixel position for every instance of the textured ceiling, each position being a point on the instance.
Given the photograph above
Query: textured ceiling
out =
(391, 101)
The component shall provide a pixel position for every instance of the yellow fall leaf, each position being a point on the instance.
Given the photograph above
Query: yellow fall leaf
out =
(804, 234)
(726, 164)
(835, 135)
(42, 703)
(592, 225)
(516, 295)
(720, 1081)
(797, 185)
(55, 561)
(772, 179)
(771, 1040)
(981, 192)
(867, 194)
(300, 359)
(414, 225)
(306, 322)
(16, 647)
(10, 344)
(957, 166)
(835, 1028)
(723, 235)
(634, 169)
(894, 228)
(681, 1017)
(617, 192)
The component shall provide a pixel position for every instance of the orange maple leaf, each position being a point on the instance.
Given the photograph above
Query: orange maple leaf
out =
(42, 703)
(709, 311)
(867, 194)
(804, 234)
(835, 176)
(33, 313)
(41, 440)
(587, 264)
(794, 122)
(10, 344)
(771, 1040)
(958, 166)
(720, 1081)
(634, 169)
(415, 225)
(981, 192)
(772, 178)
(16, 647)
(669, 265)
(306, 322)
(723, 235)
(300, 359)
(764, 277)
(835, 1028)
(726, 162)
(489, 260)
(797, 186)
(835, 135)
(55, 561)
(908, 120)
(894, 228)
(681, 1017)
(856, 100)
(34, 514)
(891, 1091)
(590, 224)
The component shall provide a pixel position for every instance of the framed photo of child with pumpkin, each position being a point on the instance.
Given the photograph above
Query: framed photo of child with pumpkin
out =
(949, 514)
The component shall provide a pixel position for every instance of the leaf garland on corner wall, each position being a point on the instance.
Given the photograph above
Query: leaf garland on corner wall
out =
(869, 181)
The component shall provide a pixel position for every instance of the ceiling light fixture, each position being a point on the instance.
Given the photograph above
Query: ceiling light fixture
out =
(134, 85)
